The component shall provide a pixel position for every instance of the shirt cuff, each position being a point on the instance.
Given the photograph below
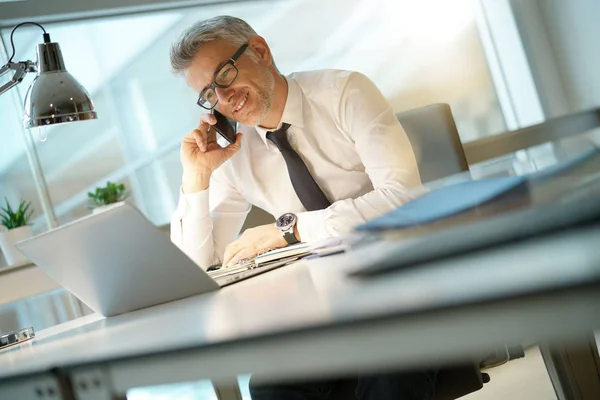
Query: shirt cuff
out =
(312, 225)
(193, 204)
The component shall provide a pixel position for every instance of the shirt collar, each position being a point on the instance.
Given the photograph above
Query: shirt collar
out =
(292, 111)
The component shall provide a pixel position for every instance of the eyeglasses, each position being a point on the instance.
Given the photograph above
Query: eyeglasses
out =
(208, 98)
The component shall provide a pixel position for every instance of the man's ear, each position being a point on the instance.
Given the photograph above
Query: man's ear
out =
(261, 49)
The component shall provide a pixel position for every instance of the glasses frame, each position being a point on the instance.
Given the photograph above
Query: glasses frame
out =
(214, 84)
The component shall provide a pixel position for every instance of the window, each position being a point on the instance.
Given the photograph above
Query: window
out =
(144, 110)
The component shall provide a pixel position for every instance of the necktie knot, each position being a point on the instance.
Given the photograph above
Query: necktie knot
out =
(279, 137)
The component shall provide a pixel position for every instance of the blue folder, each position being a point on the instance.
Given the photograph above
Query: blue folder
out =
(444, 202)
(453, 199)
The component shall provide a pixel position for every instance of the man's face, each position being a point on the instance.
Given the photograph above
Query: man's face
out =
(249, 97)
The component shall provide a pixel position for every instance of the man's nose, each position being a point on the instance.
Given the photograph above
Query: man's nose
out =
(224, 95)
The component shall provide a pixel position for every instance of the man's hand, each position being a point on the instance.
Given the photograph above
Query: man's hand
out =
(253, 241)
(201, 155)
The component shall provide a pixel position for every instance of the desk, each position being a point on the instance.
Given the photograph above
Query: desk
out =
(312, 314)
(311, 320)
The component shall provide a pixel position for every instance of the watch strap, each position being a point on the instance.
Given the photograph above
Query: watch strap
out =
(290, 237)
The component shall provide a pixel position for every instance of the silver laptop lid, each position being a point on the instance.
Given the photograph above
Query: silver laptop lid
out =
(117, 261)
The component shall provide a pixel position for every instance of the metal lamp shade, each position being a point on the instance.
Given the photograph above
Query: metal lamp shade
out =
(55, 96)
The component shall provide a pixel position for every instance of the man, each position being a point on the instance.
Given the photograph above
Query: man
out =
(323, 149)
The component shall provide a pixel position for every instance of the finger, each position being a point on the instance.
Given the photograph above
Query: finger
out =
(211, 135)
(200, 133)
(230, 251)
(209, 119)
(189, 145)
(200, 139)
(189, 138)
(241, 255)
(233, 148)
(205, 134)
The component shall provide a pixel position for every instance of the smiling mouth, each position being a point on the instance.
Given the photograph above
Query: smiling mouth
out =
(241, 103)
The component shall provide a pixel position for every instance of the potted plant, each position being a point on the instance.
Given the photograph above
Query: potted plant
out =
(15, 227)
(106, 197)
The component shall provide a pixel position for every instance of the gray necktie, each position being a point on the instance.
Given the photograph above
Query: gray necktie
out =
(309, 193)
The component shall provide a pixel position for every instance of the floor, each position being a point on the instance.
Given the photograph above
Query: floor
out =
(522, 379)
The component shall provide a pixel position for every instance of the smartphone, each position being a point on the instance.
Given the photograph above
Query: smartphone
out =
(16, 337)
(225, 127)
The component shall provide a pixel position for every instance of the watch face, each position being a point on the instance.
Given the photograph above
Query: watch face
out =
(285, 221)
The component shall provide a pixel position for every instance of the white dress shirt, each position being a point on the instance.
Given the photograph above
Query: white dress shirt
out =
(351, 142)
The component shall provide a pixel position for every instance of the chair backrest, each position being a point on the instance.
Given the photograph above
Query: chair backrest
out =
(435, 141)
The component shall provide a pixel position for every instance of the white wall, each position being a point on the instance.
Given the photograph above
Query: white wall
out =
(562, 40)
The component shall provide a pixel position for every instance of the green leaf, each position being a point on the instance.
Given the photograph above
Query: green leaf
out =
(11, 218)
(111, 193)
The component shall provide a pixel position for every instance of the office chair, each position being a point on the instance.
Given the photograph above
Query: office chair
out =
(434, 138)
(435, 141)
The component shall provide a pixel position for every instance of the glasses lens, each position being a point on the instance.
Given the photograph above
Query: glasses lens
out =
(208, 99)
(226, 75)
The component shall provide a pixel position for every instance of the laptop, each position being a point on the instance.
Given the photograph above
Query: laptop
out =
(117, 261)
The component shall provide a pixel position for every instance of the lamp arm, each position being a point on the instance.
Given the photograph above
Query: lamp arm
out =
(20, 69)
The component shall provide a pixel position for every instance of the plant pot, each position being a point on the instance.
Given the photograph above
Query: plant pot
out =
(106, 207)
(7, 244)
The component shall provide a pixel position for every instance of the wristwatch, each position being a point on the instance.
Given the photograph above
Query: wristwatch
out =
(286, 224)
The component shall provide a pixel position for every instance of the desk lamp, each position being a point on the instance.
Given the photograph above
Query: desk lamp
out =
(54, 97)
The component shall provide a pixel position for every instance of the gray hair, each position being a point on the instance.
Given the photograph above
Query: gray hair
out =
(222, 27)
